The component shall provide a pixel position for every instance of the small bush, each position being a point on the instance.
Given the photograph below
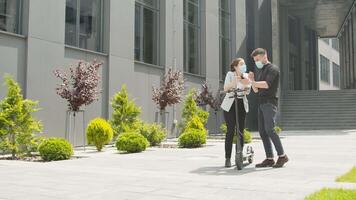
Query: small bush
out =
(131, 142)
(55, 149)
(333, 194)
(195, 123)
(247, 136)
(154, 133)
(192, 138)
(99, 133)
(223, 128)
(349, 177)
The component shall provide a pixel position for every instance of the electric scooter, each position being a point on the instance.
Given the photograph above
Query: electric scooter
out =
(242, 154)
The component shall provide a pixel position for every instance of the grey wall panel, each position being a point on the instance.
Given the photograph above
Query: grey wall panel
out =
(13, 60)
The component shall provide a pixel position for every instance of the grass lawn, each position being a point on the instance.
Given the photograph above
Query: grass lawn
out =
(333, 194)
(349, 177)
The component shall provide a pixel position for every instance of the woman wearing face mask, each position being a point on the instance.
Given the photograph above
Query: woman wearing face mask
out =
(235, 78)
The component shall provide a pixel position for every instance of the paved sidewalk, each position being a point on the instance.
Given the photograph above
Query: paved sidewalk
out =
(317, 158)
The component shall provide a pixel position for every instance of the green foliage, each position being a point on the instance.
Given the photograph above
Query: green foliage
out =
(278, 129)
(191, 112)
(223, 128)
(125, 112)
(349, 177)
(154, 133)
(195, 123)
(99, 133)
(55, 149)
(192, 138)
(131, 142)
(18, 127)
(333, 194)
(247, 134)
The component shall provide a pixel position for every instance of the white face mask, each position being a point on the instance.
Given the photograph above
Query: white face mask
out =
(259, 64)
(243, 68)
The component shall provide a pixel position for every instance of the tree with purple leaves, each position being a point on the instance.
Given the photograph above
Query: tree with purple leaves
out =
(171, 90)
(80, 86)
(205, 97)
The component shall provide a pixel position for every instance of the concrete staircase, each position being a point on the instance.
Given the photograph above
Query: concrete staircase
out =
(318, 110)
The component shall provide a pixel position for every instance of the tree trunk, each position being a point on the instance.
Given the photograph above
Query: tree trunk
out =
(13, 143)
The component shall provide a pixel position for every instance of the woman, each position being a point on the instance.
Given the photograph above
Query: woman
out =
(236, 78)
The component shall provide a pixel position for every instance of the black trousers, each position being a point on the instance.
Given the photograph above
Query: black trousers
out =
(230, 119)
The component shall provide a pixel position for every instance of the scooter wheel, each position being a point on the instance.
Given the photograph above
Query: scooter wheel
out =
(239, 161)
(250, 160)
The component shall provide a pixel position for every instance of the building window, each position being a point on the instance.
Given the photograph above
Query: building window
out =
(335, 43)
(10, 16)
(84, 24)
(336, 75)
(324, 69)
(225, 36)
(147, 31)
(326, 40)
(192, 51)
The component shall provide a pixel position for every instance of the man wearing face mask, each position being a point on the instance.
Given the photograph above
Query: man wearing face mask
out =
(235, 78)
(266, 85)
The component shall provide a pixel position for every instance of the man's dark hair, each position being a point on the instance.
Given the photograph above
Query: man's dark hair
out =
(258, 51)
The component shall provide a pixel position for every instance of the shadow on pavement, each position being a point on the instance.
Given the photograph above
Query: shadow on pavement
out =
(232, 171)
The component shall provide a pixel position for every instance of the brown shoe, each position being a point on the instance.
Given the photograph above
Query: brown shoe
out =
(281, 161)
(265, 163)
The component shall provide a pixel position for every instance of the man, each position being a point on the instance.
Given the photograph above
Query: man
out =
(266, 85)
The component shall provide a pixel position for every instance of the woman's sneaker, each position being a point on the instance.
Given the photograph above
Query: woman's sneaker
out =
(266, 163)
(228, 162)
(281, 161)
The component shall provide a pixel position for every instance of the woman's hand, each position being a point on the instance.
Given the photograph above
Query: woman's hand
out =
(251, 76)
(245, 81)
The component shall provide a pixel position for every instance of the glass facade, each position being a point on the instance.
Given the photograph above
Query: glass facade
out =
(302, 59)
(10, 16)
(147, 31)
(84, 24)
(324, 69)
(225, 36)
(191, 38)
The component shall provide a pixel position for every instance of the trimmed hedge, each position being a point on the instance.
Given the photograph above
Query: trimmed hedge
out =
(131, 142)
(154, 133)
(99, 133)
(53, 149)
(192, 138)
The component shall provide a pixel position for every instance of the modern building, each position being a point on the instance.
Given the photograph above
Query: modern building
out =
(138, 40)
(289, 30)
(329, 64)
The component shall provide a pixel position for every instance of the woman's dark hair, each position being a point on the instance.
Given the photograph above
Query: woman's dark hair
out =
(234, 63)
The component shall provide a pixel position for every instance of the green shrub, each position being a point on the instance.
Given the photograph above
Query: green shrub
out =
(191, 112)
(333, 194)
(192, 138)
(131, 142)
(55, 149)
(223, 128)
(125, 112)
(154, 133)
(18, 128)
(247, 136)
(349, 177)
(195, 123)
(99, 133)
(278, 129)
